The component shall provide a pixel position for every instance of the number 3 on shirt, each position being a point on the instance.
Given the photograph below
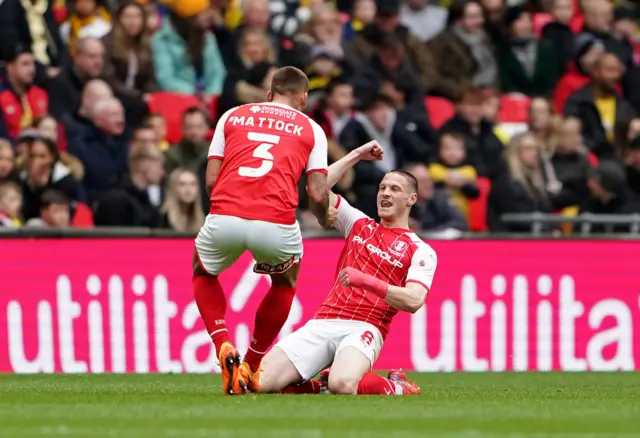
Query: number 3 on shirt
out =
(267, 141)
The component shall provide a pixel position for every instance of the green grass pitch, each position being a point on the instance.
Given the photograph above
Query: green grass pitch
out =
(522, 405)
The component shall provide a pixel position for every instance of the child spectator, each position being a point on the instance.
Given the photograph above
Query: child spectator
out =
(559, 34)
(88, 19)
(182, 210)
(452, 172)
(323, 69)
(364, 11)
(10, 205)
(7, 162)
(55, 211)
(335, 110)
(159, 125)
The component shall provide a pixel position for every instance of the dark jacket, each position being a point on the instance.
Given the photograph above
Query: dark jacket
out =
(484, 150)
(60, 179)
(514, 79)
(438, 214)
(623, 203)
(572, 170)
(455, 65)
(14, 31)
(185, 154)
(510, 196)
(581, 104)
(633, 180)
(363, 45)
(116, 71)
(104, 159)
(561, 38)
(126, 206)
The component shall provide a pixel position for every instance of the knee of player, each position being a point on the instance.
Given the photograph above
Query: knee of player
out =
(343, 385)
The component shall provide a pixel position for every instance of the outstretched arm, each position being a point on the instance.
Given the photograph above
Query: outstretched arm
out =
(370, 151)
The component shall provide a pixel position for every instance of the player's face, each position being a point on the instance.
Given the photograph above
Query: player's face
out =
(395, 196)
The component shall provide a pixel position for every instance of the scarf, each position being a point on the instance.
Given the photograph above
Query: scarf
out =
(389, 160)
(76, 23)
(487, 72)
(40, 37)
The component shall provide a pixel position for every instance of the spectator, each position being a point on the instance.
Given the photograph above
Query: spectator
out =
(186, 55)
(20, 100)
(610, 194)
(544, 124)
(43, 170)
(598, 21)
(632, 161)
(523, 189)
(192, 151)
(491, 112)
(527, 65)
(433, 212)
(559, 35)
(452, 172)
(55, 211)
(129, 67)
(249, 80)
(390, 64)
(153, 20)
(423, 19)
(79, 120)
(571, 166)
(600, 108)
(10, 205)
(464, 35)
(47, 125)
(88, 18)
(324, 67)
(66, 89)
(182, 210)
(377, 121)
(494, 11)
(7, 163)
(145, 134)
(159, 126)
(587, 51)
(364, 12)
(367, 42)
(484, 149)
(323, 30)
(626, 31)
(103, 148)
(31, 24)
(135, 201)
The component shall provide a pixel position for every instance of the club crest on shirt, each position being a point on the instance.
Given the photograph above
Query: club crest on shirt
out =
(398, 248)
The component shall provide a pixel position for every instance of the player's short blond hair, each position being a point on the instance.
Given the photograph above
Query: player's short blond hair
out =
(289, 81)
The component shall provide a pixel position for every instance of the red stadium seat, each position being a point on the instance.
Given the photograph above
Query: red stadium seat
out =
(213, 109)
(540, 20)
(440, 110)
(82, 216)
(478, 207)
(514, 108)
(593, 159)
(171, 106)
(59, 10)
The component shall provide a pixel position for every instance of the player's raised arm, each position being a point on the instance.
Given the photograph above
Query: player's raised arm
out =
(216, 152)
(370, 151)
(409, 298)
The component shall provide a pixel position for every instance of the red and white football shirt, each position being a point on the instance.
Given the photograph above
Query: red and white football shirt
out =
(264, 149)
(396, 256)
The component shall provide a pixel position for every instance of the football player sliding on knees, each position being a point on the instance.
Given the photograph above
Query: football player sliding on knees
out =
(384, 268)
(257, 155)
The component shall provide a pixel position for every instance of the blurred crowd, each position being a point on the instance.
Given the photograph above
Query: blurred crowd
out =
(107, 107)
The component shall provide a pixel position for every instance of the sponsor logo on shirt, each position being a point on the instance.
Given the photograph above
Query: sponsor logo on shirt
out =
(377, 251)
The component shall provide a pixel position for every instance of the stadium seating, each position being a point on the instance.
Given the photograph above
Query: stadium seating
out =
(514, 108)
(440, 110)
(82, 216)
(478, 207)
(540, 20)
(171, 106)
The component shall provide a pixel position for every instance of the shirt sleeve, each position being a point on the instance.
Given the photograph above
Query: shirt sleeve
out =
(423, 266)
(347, 216)
(216, 149)
(318, 157)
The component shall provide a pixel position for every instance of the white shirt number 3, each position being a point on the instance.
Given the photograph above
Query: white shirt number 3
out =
(267, 141)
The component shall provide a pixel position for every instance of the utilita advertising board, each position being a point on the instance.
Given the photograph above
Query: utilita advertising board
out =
(126, 305)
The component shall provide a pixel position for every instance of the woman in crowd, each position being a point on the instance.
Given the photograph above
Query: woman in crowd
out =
(248, 82)
(182, 210)
(43, 170)
(523, 189)
(527, 65)
(185, 53)
(323, 29)
(7, 162)
(48, 128)
(543, 123)
(129, 65)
